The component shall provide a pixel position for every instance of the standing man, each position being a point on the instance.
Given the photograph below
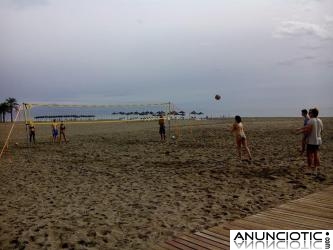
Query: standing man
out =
(313, 129)
(62, 132)
(54, 130)
(32, 133)
(162, 127)
(306, 119)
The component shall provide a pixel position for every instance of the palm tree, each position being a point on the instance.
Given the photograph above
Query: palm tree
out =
(12, 103)
(3, 111)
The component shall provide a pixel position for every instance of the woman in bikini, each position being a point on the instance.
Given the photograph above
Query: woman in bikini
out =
(238, 131)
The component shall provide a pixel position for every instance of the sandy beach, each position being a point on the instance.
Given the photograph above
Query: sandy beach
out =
(116, 186)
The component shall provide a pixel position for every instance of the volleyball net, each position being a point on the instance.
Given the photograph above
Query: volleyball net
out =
(46, 114)
(43, 114)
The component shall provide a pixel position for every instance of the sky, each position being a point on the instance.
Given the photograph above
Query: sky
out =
(264, 57)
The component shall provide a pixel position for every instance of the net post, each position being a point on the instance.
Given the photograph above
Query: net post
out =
(169, 119)
(5, 146)
(26, 114)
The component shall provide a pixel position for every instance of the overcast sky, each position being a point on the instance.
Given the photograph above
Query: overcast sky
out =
(264, 57)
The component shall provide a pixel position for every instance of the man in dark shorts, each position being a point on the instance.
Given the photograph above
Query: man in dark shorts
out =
(32, 133)
(54, 130)
(62, 132)
(313, 129)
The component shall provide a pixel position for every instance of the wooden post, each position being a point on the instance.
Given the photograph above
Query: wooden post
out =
(5, 146)
(169, 119)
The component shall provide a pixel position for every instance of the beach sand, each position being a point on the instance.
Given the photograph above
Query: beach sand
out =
(116, 186)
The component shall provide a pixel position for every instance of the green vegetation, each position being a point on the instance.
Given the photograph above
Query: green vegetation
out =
(8, 106)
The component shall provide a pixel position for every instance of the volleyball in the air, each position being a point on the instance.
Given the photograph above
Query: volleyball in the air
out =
(217, 97)
(173, 137)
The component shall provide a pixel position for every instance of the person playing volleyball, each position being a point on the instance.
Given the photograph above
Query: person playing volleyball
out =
(32, 132)
(54, 127)
(304, 138)
(162, 127)
(62, 132)
(313, 130)
(238, 131)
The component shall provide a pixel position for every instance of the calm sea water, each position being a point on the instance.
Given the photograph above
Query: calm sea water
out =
(95, 113)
